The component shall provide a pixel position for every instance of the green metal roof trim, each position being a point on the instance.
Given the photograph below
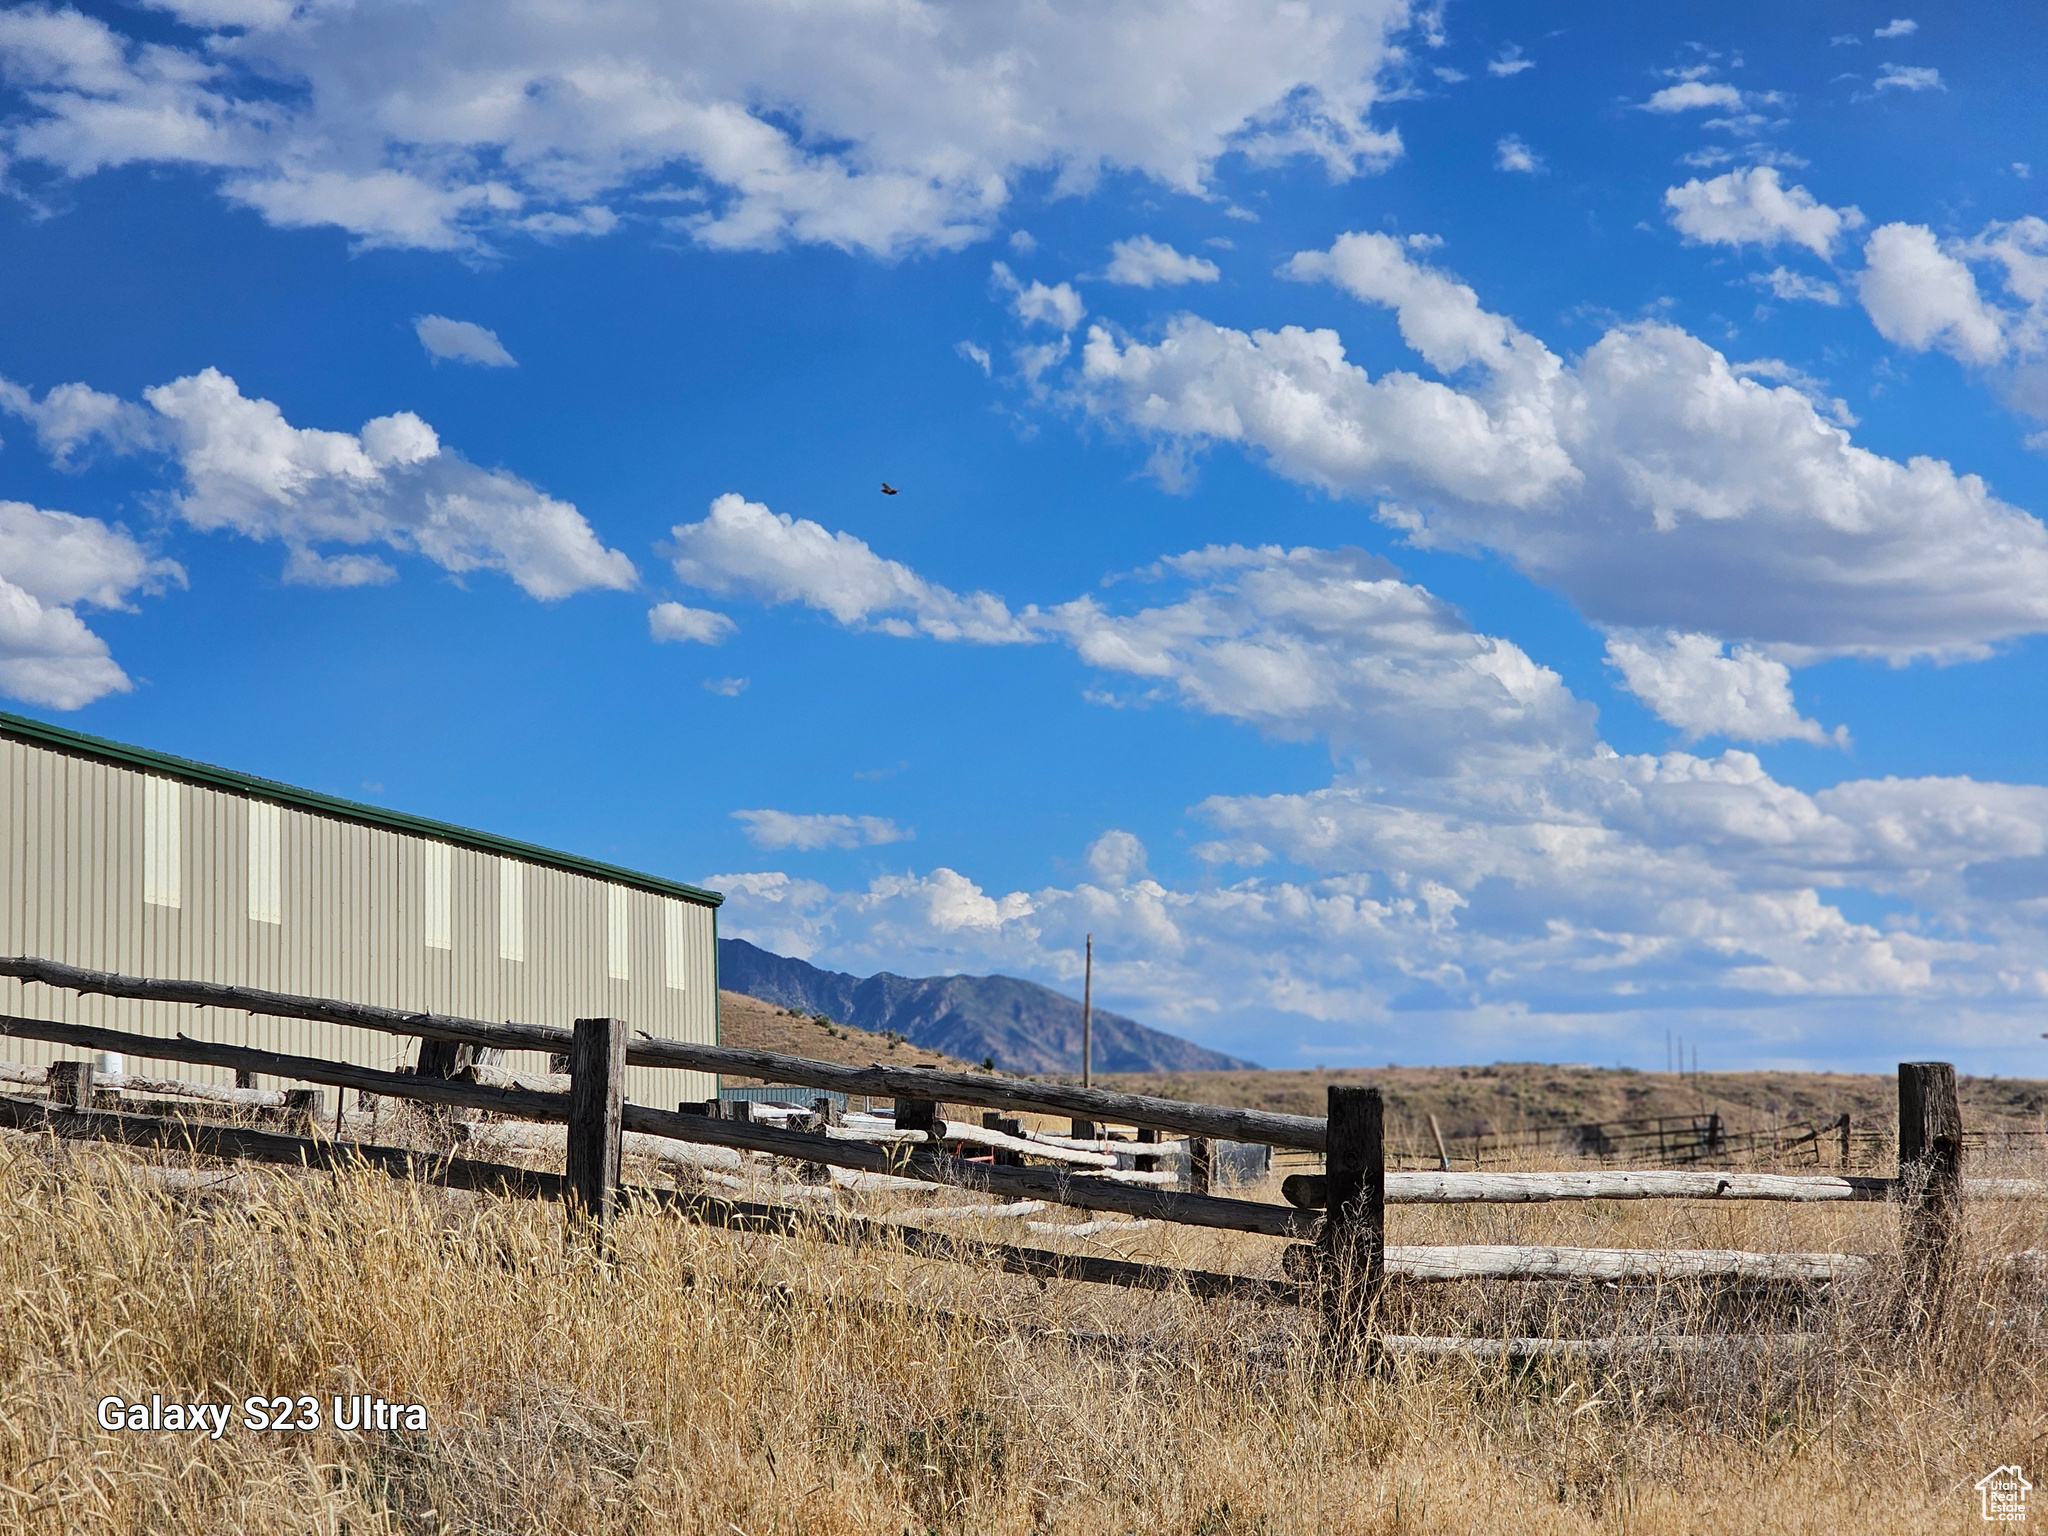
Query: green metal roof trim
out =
(78, 744)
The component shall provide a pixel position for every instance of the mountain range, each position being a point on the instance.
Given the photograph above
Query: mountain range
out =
(1019, 1025)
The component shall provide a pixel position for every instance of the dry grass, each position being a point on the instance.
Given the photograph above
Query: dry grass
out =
(707, 1382)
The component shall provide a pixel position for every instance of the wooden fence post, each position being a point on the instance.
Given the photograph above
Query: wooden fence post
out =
(1146, 1134)
(1201, 1165)
(448, 1059)
(440, 1058)
(597, 1093)
(70, 1084)
(445, 1059)
(1930, 1179)
(916, 1115)
(303, 1108)
(1354, 1236)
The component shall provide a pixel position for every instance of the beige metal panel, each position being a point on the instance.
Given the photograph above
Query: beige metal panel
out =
(619, 933)
(163, 846)
(435, 922)
(266, 875)
(511, 910)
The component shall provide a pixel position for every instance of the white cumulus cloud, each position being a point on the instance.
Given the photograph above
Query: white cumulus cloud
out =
(876, 129)
(1923, 293)
(67, 560)
(784, 829)
(1908, 77)
(1036, 303)
(1329, 644)
(674, 621)
(1752, 207)
(1694, 96)
(392, 483)
(461, 341)
(743, 549)
(1508, 62)
(1920, 296)
(1904, 26)
(48, 656)
(51, 565)
(1797, 287)
(1690, 682)
(73, 419)
(1117, 858)
(1142, 262)
(1647, 479)
(1511, 154)
(1301, 643)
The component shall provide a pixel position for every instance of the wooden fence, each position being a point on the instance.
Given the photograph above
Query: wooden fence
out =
(1663, 1141)
(1839, 1142)
(1342, 1263)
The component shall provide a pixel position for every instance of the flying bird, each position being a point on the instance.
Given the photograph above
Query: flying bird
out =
(889, 490)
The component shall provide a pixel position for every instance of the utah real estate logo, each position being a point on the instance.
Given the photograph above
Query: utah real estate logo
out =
(2004, 1490)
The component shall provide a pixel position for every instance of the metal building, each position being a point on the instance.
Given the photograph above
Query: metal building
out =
(122, 859)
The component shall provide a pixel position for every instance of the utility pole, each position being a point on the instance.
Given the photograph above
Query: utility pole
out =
(1088, 1017)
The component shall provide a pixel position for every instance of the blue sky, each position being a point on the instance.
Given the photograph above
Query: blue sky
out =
(1466, 533)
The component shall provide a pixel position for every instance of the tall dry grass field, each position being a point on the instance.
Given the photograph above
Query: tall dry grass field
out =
(700, 1381)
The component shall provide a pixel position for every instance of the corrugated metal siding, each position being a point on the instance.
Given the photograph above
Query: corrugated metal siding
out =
(362, 913)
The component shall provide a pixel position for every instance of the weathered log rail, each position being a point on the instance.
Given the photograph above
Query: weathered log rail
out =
(243, 1144)
(1620, 1265)
(131, 1082)
(1310, 1192)
(1342, 1212)
(1066, 1188)
(450, 1092)
(984, 1089)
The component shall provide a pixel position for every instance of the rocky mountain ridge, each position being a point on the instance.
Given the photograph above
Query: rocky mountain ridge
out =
(1019, 1025)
